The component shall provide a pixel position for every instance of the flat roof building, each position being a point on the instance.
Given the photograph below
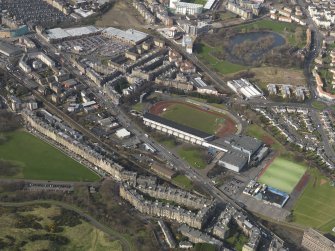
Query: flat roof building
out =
(58, 34)
(130, 36)
(163, 171)
(314, 241)
(122, 133)
(234, 160)
(9, 50)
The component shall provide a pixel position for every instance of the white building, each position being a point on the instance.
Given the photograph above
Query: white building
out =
(122, 133)
(186, 8)
(245, 88)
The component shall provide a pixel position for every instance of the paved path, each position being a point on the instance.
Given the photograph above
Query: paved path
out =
(126, 245)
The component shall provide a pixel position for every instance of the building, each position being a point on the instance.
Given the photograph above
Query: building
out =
(9, 50)
(129, 36)
(194, 219)
(197, 236)
(163, 171)
(185, 8)
(60, 34)
(15, 32)
(167, 234)
(245, 88)
(234, 160)
(189, 134)
(234, 7)
(122, 133)
(314, 241)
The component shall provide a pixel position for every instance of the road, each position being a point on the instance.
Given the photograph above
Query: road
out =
(315, 49)
(114, 234)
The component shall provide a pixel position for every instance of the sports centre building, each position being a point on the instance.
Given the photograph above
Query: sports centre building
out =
(240, 151)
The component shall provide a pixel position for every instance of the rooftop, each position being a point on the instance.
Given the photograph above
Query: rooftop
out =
(235, 158)
(176, 126)
(130, 34)
(244, 142)
(59, 33)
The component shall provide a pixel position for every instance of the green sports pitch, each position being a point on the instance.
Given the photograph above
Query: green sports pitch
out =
(283, 174)
(193, 117)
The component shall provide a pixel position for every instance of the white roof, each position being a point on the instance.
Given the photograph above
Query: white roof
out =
(130, 34)
(209, 4)
(59, 33)
(121, 133)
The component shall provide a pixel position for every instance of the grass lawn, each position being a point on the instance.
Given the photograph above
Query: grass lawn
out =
(193, 156)
(183, 181)
(283, 174)
(286, 29)
(236, 240)
(259, 133)
(82, 236)
(204, 247)
(275, 26)
(38, 160)
(203, 2)
(191, 117)
(266, 75)
(204, 53)
(138, 107)
(227, 16)
(319, 105)
(167, 141)
(315, 207)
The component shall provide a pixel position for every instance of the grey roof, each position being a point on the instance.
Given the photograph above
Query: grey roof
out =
(235, 158)
(9, 48)
(130, 35)
(244, 142)
(60, 33)
(177, 126)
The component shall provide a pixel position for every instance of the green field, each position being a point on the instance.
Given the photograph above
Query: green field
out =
(36, 159)
(203, 2)
(182, 181)
(49, 228)
(259, 133)
(319, 105)
(193, 156)
(191, 117)
(316, 205)
(275, 26)
(204, 53)
(294, 34)
(283, 174)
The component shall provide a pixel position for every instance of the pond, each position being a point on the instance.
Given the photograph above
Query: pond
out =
(246, 48)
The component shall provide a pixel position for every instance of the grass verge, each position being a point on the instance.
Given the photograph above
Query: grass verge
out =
(39, 160)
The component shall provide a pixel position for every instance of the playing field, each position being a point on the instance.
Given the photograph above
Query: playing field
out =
(195, 117)
(283, 174)
(36, 159)
(315, 207)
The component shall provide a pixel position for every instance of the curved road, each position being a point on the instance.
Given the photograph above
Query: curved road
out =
(126, 245)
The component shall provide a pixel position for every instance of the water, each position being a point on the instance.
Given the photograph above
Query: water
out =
(277, 41)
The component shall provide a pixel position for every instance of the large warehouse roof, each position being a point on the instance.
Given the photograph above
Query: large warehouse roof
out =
(235, 158)
(176, 126)
(130, 35)
(9, 49)
(244, 142)
(59, 33)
